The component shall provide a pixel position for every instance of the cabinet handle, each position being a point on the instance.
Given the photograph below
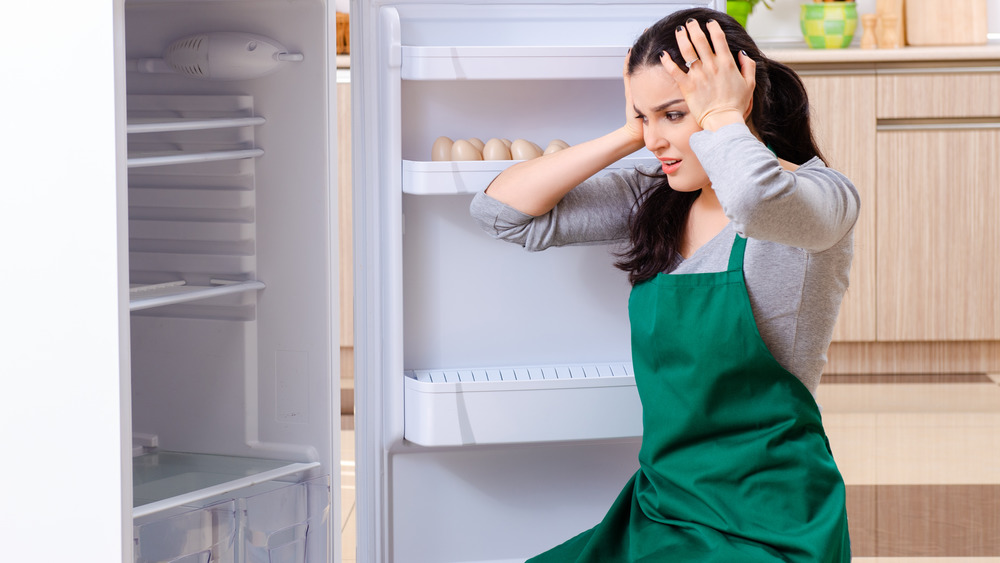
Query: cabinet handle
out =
(938, 70)
(936, 125)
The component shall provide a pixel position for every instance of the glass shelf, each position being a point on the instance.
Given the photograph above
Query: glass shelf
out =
(165, 480)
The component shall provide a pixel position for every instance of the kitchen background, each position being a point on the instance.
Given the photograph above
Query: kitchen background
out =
(781, 23)
(918, 448)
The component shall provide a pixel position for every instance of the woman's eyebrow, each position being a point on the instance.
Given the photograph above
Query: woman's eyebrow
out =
(660, 107)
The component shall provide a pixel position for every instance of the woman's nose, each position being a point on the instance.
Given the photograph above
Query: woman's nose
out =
(653, 137)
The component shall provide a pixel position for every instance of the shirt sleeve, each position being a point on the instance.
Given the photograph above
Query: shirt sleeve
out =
(811, 208)
(595, 212)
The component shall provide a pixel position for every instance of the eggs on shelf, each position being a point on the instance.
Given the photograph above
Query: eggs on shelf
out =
(444, 148)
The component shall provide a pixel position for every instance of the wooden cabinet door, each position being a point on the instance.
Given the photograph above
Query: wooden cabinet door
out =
(344, 203)
(843, 113)
(939, 237)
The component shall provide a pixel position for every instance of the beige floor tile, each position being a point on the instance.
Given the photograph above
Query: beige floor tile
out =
(926, 560)
(852, 439)
(938, 448)
(349, 542)
(905, 397)
(348, 497)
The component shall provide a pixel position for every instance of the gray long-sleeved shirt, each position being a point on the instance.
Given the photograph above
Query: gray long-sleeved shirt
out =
(799, 224)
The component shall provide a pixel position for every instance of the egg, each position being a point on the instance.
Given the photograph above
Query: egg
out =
(524, 150)
(478, 143)
(506, 141)
(464, 150)
(496, 149)
(441, 149)
(556, 145)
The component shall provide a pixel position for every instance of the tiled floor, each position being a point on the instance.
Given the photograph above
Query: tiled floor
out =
(920, 455)
(348, 521)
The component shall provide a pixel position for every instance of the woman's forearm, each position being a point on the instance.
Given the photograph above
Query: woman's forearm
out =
(536, 186)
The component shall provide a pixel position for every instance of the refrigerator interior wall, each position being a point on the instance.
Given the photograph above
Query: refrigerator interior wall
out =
(521, 359)
(504, 330)
(234, 357)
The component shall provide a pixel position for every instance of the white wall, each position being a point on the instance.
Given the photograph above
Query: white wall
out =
(781, 23)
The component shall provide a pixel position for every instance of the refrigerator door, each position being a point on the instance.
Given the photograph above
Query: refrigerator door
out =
(494, 385)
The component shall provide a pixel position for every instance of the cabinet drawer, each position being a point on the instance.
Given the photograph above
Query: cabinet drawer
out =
(939, 94)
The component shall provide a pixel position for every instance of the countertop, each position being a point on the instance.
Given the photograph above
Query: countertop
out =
(799, 54)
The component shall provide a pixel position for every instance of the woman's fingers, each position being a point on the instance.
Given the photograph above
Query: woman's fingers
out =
(684, 44)
(748, 68)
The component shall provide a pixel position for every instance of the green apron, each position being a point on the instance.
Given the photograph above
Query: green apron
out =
(734, 466)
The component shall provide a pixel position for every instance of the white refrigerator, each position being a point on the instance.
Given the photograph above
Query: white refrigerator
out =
(169, 222)
(497, 412)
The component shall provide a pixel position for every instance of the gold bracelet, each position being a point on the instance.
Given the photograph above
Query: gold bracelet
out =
(701, 119)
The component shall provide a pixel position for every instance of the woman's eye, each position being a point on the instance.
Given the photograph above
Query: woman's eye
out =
(674, 115)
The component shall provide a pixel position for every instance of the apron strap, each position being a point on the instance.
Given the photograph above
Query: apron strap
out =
(736, 253)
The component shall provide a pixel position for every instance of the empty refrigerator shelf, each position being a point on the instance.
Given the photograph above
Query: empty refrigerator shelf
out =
(165, 159)
(471, 176)
(513, 62)
(164, 480)
(170, 293)
(454, 407)
(161, 125)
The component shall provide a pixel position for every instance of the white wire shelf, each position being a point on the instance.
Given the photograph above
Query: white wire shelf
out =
(163, 125)
(157, 295)
(165, 159)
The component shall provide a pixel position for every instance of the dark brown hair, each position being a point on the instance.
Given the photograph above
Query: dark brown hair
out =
(780, 116)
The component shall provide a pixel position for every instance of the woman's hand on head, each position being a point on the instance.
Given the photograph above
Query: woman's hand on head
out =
(716, 90)
(633, 123)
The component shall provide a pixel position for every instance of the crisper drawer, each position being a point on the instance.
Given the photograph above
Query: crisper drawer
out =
(523, 404)
(271, 522)
(915, 93)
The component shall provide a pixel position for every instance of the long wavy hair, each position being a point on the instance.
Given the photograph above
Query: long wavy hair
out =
(780, 116)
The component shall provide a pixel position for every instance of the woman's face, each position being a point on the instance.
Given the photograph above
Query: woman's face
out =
(667, 126)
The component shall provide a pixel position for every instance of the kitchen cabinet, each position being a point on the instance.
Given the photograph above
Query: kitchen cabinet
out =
(920, 143)
(938, 262)
(844, 124)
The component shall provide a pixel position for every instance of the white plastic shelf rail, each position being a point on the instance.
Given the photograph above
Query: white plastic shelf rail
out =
(512, 62)
(467, 177)
(454, 407)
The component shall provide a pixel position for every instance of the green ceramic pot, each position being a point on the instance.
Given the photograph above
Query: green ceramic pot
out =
(829, 25)
(739, 9)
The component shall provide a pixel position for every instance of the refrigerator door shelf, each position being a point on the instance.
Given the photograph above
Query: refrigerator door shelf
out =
(521, 405)
(519, 62)
(471, 176)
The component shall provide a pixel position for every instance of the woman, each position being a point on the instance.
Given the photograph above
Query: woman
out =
(739, 249)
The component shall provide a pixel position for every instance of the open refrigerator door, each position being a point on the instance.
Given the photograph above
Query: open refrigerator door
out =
(494, 385)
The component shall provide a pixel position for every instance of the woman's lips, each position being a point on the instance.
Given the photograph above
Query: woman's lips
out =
(670, 165)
